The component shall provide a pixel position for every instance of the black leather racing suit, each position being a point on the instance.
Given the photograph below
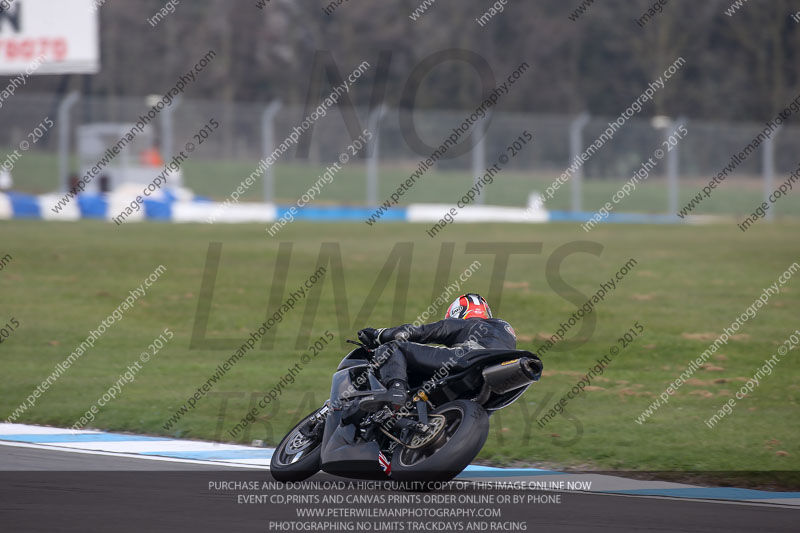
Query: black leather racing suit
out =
(407, 344)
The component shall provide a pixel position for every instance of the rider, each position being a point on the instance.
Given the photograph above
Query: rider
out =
(467, 325)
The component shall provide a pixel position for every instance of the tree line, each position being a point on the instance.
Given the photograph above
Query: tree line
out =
(738, 67)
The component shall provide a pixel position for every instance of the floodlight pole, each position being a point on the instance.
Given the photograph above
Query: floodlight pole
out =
(673, 163)
(168, 128)
(575, 149)
(479, 154)
(373, 123)
(268, 146)
(768, 169)
(63, 138)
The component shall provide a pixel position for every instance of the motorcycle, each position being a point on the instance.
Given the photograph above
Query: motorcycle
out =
(431, 438)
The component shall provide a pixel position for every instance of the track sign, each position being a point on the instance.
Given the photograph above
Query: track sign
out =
(63, 33)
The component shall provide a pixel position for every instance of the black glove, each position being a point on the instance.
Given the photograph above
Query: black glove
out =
(369, 337)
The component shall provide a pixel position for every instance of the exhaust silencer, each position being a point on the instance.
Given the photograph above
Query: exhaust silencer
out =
(511, 375)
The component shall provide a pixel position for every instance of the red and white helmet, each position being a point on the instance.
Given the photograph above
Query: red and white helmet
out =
(469, 306)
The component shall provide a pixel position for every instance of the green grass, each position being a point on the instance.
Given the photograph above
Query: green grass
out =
(65, 278)
(36, 171)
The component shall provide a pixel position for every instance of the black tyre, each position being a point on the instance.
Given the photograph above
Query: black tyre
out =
(466, 426)
(297, 457)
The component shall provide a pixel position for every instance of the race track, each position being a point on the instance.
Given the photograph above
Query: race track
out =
(49, 488)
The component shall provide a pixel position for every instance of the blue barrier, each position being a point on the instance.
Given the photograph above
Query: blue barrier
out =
(96, 206)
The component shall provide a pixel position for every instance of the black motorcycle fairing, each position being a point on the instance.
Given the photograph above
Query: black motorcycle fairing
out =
(359, 356)
(341, 454)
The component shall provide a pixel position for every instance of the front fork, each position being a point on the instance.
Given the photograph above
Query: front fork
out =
(312, 428)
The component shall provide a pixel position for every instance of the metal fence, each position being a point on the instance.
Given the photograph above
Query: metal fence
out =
(248, 131)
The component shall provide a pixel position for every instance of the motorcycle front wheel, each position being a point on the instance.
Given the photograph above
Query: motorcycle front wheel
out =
(297, 457)
(465, 426)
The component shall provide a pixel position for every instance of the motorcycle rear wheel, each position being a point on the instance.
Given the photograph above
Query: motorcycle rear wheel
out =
(464, 434)
(297, 457)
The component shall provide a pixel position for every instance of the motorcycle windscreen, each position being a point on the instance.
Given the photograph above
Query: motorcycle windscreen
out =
(351, 383)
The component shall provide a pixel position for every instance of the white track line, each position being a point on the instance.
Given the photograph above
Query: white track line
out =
(130, 455)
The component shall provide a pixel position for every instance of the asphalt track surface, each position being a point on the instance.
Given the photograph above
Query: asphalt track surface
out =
(50, 490)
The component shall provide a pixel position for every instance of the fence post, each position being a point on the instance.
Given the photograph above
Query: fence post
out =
(575, 149)
(268, 145)
(768, 169)
(479, 154)
(63, 138)
(373, 125)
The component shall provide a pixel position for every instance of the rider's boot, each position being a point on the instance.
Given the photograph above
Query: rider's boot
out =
(396, 396)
